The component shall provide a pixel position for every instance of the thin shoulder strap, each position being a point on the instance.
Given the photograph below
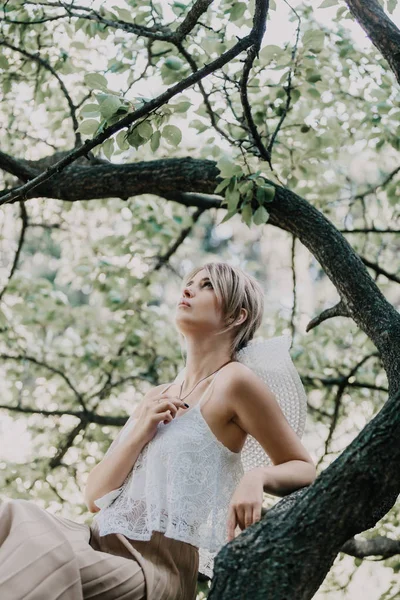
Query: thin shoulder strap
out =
(209, 388)
(168, 386)
(205, 391)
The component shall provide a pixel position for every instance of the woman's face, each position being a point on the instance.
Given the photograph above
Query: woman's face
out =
(203, 314)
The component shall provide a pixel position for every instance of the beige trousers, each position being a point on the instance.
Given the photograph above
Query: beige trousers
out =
(48, 557)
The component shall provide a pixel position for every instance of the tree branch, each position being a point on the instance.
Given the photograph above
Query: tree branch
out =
(382, 32)
(146, 109)
(37, 58)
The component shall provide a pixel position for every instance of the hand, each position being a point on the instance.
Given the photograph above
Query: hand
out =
(153, 412)
(246, 502)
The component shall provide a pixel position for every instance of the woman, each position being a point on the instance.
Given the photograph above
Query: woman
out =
(166, 481)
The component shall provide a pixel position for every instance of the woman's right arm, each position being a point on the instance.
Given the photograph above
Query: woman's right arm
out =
(109, 475)
(111, 472)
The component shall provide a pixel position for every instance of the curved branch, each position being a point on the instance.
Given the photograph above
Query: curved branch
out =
(155, 33)
(52, 369)
(24, 219)
(191, 19)
(146, 109)
(339, 310)
(36, 57)
(252, 53)
(382, 32)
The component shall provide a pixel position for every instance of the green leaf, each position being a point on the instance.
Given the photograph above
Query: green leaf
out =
(269, 52)
(199, 125)
(391, 5)
(247, 214)
(181, 107)
(233, 199)
(155, 141)
(228, 168)
(120, 138)
(313, 77)
(265, 193)
(90, 110)
(260, 216)
(313, 40)
(108, 147)
(88, 127)
(313, 92)
(174, 63)
(228, 216)
(172, 134)
(135, 139)
(328, 3)
(109, 106)
(124, 14)
(96, 81)
(221, 186)
(237, 11)
(145, 130)
(245, 186)
(3, 62)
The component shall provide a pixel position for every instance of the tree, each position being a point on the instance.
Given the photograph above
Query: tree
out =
(275, 115)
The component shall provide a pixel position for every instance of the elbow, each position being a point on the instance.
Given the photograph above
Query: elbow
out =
(312, 470)
(90, 505)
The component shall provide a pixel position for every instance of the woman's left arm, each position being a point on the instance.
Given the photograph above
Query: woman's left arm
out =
(283, 479)
(258, 413)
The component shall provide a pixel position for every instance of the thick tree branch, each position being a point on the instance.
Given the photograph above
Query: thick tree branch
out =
(22, 169)
(175, 178)
(146, 109)
(356, 502)
(191, 19)
(382, 32)
(377, 546)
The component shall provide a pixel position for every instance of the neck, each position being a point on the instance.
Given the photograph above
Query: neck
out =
(202, 360)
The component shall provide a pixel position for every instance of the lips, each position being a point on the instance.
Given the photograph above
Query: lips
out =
(184, 304)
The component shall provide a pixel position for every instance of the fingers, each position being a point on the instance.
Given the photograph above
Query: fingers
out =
(242, 515)
(231, 523)
(248, 516)
(169, 408)
(174, 399)
(256, 513)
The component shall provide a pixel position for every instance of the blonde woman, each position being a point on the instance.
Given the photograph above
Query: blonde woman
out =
(172, 483)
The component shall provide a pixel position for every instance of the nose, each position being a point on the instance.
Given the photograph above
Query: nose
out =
(186, 292)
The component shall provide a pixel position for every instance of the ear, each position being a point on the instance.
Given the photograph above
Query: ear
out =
(243, 316)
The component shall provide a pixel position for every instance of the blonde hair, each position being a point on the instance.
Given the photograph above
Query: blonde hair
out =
(235, 289)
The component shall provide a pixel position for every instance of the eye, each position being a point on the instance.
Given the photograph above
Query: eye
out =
(209, 283)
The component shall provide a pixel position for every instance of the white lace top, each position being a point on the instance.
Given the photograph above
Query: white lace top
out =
(181, 484)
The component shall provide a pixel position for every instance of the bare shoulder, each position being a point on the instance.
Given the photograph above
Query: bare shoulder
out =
(229, 380)
(233, 374)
